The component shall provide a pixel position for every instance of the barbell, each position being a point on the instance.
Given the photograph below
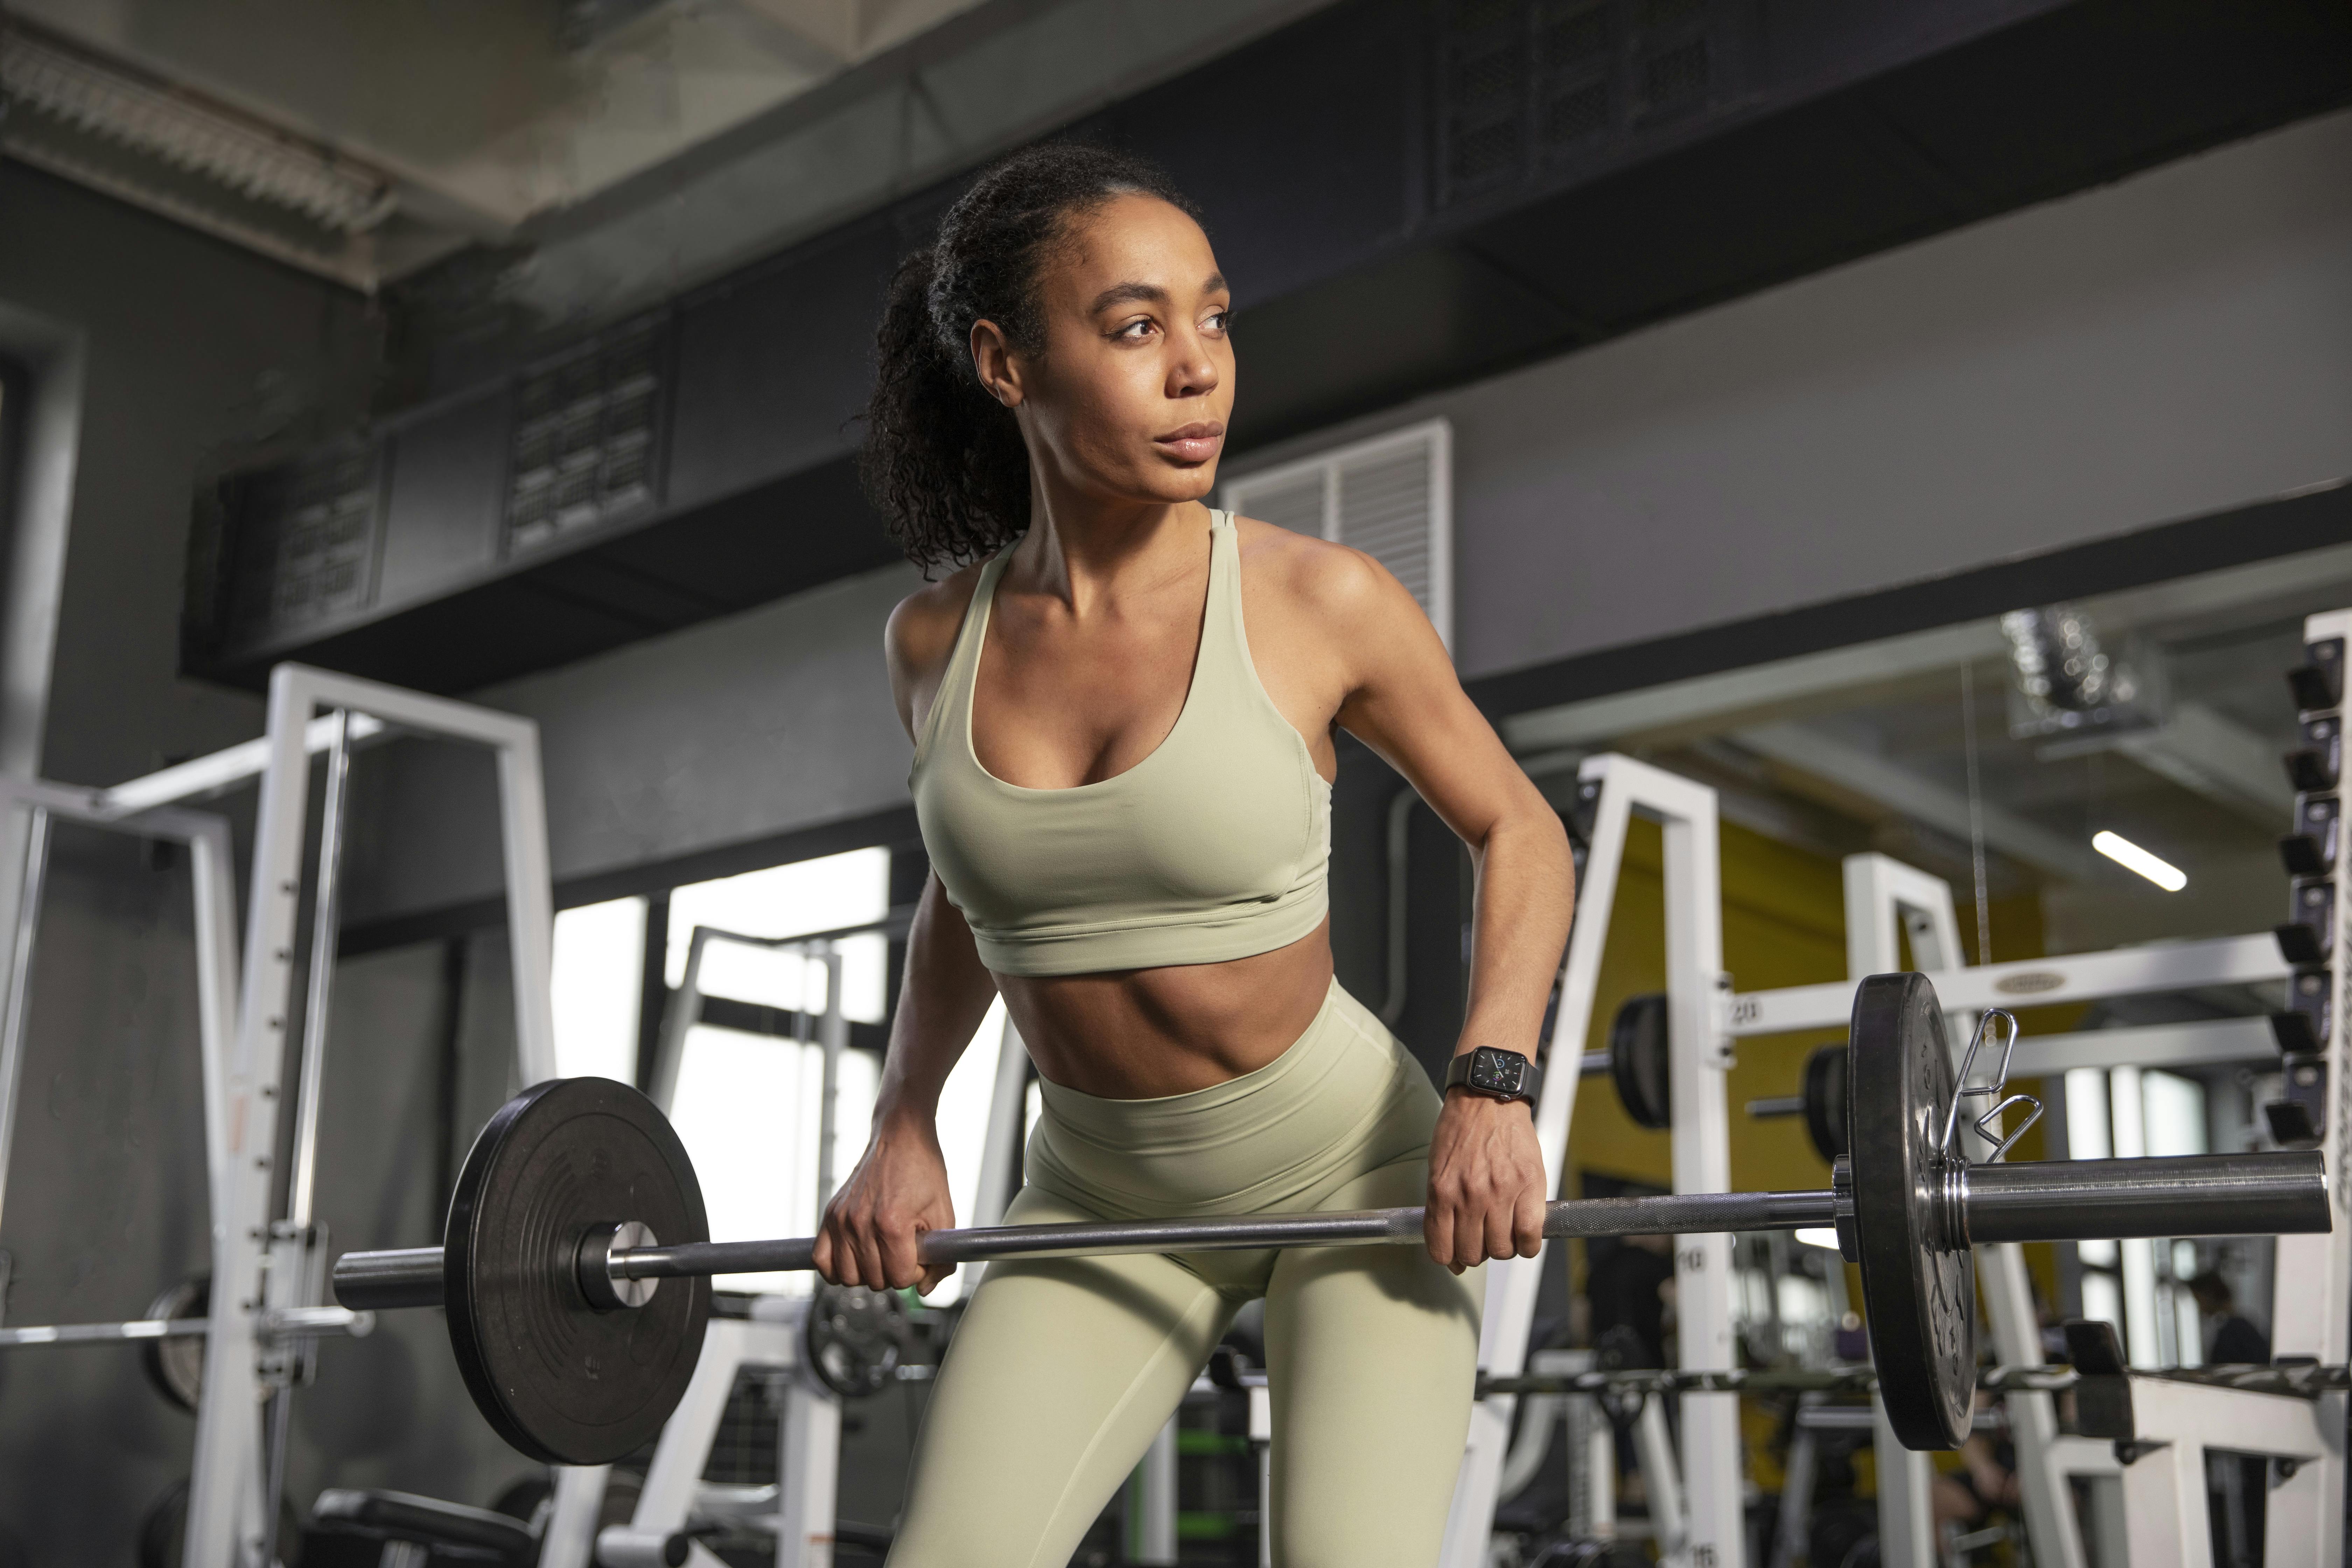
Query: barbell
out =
(577, 1204)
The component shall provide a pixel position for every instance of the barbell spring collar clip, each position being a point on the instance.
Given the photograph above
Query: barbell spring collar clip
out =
(1988, 1125)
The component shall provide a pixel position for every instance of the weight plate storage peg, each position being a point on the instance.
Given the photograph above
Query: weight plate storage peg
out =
(560, 1379)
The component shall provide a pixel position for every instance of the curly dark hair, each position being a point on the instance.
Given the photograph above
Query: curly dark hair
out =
(942, 459)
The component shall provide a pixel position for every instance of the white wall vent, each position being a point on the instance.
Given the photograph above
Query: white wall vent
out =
(1391, 497)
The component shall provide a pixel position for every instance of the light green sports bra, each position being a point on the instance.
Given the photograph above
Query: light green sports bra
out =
(1212, 848)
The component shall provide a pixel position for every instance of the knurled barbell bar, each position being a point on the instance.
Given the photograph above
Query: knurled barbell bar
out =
(2294, 1380)
(577, 1200)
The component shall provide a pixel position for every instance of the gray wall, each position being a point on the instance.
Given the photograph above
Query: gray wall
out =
(2175, 345)
(769, 721)
(196, 353)
(105, 1204)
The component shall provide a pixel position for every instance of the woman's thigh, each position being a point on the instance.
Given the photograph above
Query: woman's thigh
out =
(1373, 1356)
(1060, 1374)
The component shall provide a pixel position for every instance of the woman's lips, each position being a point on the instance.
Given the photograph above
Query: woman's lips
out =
(1193, 443)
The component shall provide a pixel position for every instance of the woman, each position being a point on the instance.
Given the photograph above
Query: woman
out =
(1123, 714)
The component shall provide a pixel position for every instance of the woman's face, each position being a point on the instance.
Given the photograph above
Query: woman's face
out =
(1128, 399)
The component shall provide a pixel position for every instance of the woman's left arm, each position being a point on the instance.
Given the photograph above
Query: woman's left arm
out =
(1487, 1188)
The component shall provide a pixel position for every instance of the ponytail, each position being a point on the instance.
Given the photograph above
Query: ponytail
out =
(943, 460)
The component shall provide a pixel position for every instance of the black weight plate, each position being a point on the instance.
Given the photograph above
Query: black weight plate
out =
(176, 1366)
(1637, 1060)
(855, 1337)
(1922, 1296)
(1824, 1096)
(562, 1382)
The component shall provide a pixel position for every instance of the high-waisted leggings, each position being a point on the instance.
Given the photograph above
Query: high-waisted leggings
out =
(1063, 1370)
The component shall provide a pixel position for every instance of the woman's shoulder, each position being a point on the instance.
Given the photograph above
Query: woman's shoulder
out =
(921, 632)
(1316, 578)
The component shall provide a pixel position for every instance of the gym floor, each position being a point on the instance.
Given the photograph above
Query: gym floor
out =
(1773, 397)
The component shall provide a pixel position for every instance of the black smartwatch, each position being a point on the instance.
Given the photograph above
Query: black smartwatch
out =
(1498, 1075)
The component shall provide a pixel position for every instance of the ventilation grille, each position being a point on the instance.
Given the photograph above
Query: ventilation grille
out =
(306, 541)
(587, 438)
(119, 129)
(1526, 87)
(1391, 497)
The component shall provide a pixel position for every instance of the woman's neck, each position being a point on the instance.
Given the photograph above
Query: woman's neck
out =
(1081, 550)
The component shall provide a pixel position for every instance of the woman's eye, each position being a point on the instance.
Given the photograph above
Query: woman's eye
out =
(1135, 331)
(1220, 321)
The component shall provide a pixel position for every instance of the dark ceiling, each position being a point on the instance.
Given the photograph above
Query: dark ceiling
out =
(1408, 196)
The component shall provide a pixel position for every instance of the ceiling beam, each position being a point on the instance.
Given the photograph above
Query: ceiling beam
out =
(1814, 750)
(2217, 758)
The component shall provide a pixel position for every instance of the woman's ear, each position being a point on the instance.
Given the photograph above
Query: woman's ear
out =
(993, 359)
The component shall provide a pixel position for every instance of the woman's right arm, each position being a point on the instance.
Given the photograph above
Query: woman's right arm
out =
(899, 1188)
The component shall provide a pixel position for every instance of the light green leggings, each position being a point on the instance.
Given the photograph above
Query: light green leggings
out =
(1063, 1370)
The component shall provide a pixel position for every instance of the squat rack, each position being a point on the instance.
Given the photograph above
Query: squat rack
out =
(1888, 903)
(267, 1268)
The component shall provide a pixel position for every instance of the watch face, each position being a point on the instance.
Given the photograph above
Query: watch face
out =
(1497, 1072)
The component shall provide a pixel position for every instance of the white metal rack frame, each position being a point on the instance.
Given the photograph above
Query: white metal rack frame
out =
(261, 1266)
(2161, 1517)
(206, 838)
(1887, 903)
(1700, 1055)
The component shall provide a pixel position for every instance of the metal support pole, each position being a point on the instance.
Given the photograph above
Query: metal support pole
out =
(1261, 1441)
(225, 1515)
(679, 1019)
(1886, 898)
(13, 1021)
(811, 1472)
(569, 1540)
(1152, 1502)
(833, 1038)
(1906, 1529)
(1792, 1535)
(530, 900)
(320, 996)
(1662, 1481)
(1697, 987)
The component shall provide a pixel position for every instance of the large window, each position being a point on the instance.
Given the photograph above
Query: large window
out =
(746, 1092)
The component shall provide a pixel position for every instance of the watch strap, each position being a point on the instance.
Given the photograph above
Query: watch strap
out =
(1497, 1074)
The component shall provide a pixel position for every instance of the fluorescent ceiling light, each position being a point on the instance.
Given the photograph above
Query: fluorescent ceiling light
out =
(2132, 857)
(1823, 1235)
